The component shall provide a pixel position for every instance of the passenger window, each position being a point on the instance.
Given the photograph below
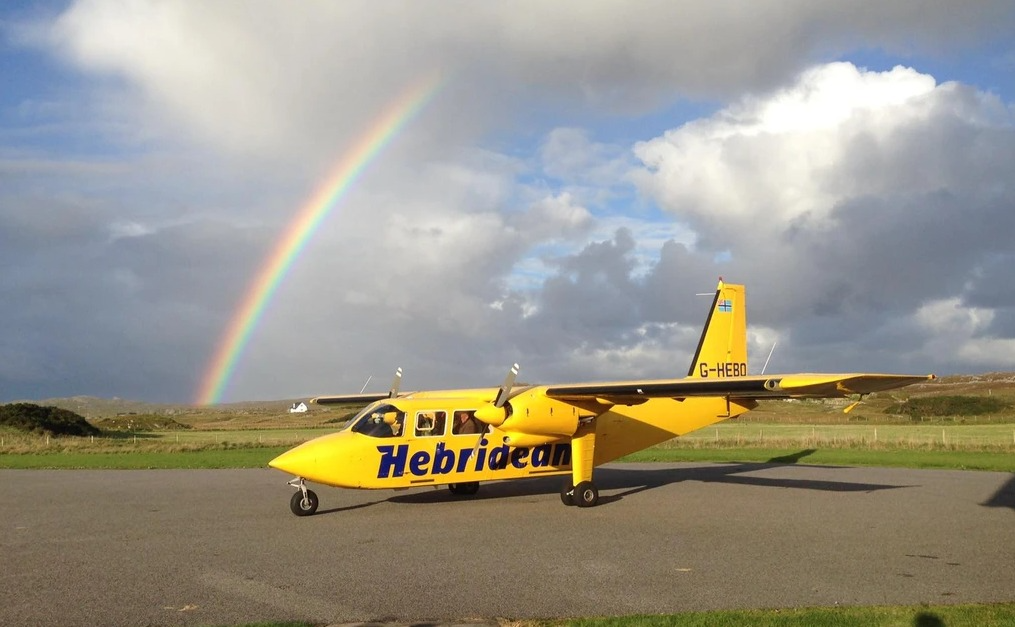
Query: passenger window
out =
(430, 423)
(465, 422)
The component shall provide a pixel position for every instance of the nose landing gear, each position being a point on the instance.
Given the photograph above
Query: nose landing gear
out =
(304, 502)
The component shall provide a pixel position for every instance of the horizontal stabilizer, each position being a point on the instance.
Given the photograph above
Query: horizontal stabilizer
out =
(746, 388)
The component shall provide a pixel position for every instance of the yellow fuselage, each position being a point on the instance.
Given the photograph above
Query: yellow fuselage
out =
(424, 448)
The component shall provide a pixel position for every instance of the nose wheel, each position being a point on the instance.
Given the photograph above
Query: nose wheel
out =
(304, 501)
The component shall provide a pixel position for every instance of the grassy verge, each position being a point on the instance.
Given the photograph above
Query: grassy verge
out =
(137, 460)
(898, 458)
(993, 615)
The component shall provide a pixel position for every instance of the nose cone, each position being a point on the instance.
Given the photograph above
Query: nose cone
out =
(300, 461)
(491, 415)
(323, 460)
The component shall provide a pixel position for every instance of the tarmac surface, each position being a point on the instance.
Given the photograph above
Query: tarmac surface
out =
(220, 547)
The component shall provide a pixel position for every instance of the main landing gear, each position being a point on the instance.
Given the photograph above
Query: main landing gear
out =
(304, 502)
(585, 494)
(578, 489)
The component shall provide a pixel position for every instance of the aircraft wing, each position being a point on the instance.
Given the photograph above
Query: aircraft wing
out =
(774, 386)
(349, 399)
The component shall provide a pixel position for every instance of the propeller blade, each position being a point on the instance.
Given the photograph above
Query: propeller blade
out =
(505, 388)
(495, 412)
(482, 434)
(395, 384)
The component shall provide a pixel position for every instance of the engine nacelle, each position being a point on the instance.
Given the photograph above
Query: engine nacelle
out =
(535, 419)
(527, 440)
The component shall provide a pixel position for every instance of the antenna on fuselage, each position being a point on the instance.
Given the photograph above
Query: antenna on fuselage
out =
(366, 384)
(708, 293)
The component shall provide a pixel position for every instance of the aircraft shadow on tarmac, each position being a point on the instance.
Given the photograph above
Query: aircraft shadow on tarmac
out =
(1004, 497)
(632, 481)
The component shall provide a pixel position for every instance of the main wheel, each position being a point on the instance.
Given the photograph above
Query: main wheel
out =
(464, 489)
(586, 494)
(304, 506)
(567, 493)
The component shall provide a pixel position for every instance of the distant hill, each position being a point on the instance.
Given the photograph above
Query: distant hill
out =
(44, 420)
(93, 407)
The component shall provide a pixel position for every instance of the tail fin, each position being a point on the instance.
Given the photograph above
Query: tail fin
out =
(722, 349)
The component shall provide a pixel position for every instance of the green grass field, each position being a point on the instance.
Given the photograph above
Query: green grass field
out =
(971, 615)
(993, 615)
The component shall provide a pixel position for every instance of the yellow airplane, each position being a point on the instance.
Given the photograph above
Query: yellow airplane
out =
(461, 437)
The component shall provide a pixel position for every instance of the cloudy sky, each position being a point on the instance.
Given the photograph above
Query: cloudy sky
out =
(580, 172)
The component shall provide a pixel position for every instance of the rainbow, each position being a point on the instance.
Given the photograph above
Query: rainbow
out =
(243, 322)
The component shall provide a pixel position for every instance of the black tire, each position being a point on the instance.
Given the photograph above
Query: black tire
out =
(586, 494)
(464, 489)
(302, 507)
(567, 493)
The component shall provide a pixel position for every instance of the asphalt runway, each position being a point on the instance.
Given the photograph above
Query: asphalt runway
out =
(221, 547)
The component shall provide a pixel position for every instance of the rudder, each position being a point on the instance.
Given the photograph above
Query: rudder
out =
(722, 349)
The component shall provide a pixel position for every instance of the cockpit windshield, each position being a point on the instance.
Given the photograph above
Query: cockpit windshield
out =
(379, 421)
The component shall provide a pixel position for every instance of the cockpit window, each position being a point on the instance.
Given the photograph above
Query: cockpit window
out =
(383, 421)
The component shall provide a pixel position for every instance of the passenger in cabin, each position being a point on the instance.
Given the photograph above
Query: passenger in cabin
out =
(465, 422)
(439, 419)
(430, 424)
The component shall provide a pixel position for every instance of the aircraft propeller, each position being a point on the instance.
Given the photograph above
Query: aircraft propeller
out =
(395, 384)
(495, 413)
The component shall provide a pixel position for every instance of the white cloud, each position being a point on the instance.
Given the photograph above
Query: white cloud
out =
(909, 178)
(259, 76)
(962, 333)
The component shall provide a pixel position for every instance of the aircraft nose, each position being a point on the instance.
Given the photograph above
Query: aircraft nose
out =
(300, 461)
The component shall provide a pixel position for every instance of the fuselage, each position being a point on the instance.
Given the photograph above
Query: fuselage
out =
(432, 438)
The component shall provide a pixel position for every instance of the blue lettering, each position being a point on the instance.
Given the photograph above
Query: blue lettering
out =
(463, 459)
(443, 460)
(392, 463)
(498, 458)
(541, 456)
(561, 454)
(480, 458)
(418, 463)
(518, 457)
